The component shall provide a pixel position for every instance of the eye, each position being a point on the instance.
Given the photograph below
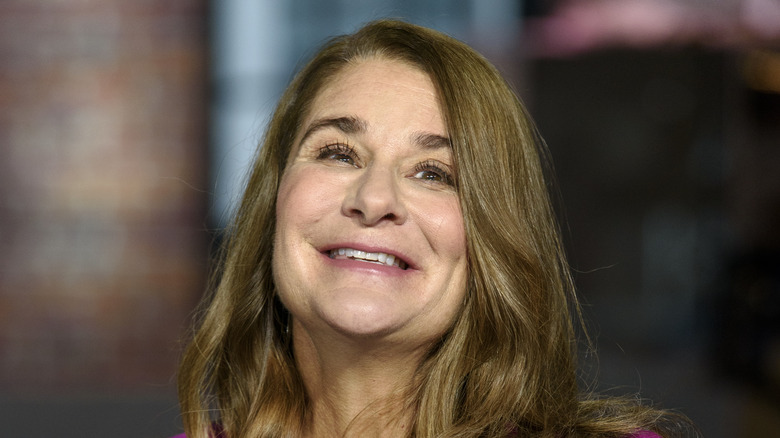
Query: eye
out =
(338, 152)
(433, 172)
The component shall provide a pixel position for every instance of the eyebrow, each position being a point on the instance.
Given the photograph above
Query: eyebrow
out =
(356, 125)
(432, 141)
(347, 125)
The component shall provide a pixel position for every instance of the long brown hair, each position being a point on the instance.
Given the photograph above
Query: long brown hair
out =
(506, 367)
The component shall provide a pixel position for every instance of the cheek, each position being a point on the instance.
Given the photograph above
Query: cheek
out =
(444, 227)
(302, 198)
(456, 232)
(300, 208)
(305, 205)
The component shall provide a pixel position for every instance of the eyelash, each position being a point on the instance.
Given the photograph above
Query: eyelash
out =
(344, 151)
(432, 166)
(330, 150)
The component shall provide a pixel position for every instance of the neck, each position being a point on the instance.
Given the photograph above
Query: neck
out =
(355, 387)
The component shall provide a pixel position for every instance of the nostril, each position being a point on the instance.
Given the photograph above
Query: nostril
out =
(374, 198)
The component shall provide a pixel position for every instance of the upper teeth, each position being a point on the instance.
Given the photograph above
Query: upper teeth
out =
(379, 257)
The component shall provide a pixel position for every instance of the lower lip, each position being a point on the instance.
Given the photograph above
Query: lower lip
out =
(365, 267)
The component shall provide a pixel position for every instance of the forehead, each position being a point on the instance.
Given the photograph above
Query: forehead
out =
(378, 69)
(378, 87)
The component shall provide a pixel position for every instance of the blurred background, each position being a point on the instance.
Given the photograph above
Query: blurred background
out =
(126, 129)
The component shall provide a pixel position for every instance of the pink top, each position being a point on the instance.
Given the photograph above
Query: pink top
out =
(642, 434)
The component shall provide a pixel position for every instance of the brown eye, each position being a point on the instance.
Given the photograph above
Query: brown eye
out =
(429, 175)
(431, 172)
(338, 152)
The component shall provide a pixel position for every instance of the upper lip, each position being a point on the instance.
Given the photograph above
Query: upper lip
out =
(370, 248)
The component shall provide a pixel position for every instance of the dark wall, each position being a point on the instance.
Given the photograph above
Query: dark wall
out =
(667, 165)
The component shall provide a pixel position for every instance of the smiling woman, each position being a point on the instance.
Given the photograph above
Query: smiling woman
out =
(395, 267)
(360, 182)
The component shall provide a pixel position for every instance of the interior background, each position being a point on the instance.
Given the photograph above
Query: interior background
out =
(126, 128)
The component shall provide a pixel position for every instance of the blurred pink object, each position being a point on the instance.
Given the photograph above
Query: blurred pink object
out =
(577, 26)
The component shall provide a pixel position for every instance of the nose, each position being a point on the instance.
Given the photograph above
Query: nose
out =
(374, 197)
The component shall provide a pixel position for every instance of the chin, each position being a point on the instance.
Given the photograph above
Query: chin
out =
(364, 321)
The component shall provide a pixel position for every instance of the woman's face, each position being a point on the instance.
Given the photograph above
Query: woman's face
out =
(370, 238)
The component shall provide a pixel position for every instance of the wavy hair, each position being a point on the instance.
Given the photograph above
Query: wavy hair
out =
(507, 366)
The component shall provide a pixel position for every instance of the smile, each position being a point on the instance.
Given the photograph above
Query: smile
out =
(371, 257)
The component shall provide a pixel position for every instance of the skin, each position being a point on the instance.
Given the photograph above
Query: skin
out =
(371, 169)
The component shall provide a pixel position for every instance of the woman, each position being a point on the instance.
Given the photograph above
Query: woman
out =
(394, 268)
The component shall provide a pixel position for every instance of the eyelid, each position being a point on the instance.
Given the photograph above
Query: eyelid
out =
(334, 148)
(444, 170)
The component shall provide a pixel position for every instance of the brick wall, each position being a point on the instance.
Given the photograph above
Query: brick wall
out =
(102, 190)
